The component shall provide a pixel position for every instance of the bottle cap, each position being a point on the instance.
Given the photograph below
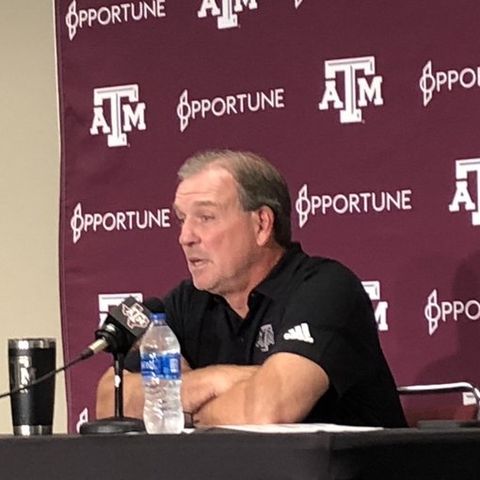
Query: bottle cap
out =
(158, 317)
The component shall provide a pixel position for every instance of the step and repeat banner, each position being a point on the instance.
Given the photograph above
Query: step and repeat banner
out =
(370, 109)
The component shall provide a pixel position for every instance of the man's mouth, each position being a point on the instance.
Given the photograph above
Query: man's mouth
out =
(195, 262)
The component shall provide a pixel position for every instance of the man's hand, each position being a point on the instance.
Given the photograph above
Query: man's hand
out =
(133, 398)
(198, 387)
(283, 390)
(202, 385)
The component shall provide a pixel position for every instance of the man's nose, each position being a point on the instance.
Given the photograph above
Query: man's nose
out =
(187, 234)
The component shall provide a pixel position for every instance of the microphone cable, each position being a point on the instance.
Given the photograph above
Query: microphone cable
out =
(108, 338)
(85, 354)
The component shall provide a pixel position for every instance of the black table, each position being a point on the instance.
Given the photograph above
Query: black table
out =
(217, 454)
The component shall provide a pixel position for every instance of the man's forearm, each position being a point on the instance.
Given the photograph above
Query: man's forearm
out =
(132, 393)
(283, 390)
(222, 410)
(246, 402)
(198, 387)
(204, 384)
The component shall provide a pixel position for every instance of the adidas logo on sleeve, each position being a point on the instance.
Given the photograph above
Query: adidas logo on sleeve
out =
(300, 332)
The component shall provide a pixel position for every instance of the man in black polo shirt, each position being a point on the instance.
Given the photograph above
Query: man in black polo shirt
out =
(268, 334)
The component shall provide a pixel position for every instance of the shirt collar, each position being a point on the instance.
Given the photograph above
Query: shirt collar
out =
(272, 285)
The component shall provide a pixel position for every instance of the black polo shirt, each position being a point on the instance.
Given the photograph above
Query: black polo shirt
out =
(314, 307)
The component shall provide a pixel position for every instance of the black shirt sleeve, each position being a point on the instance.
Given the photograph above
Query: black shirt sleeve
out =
(329, 320)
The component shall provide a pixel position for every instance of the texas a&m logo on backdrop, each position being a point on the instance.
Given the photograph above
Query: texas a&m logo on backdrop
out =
(116, 112)
(227, 11)
(467, 173)
(372, 287)
(361, 87)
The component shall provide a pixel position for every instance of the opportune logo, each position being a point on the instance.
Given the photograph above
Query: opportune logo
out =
(358, 91)
(372, 287)
(111, 14)
(462, 195)
(107, 300)
(82, 418)
(227, 12)
(350, 203)
(125, 113)
(235, 104)
(436, 311)
(81, 223)
(431, 81)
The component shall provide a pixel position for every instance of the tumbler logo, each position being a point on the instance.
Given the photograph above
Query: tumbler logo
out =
(435, 311)
(431, 82)
(372, 287)
(350, 203)
(462, 195)
(236, 104)
(123, 116)
(227, 14)
(24, 372)
(368, 92)
(111, 14)
(117, 221)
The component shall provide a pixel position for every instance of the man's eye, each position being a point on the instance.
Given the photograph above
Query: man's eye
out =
(206, 218)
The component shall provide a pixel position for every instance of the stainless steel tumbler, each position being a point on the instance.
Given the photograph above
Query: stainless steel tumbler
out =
(32, 408)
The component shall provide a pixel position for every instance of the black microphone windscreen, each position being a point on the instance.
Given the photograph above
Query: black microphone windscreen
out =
(154, 304)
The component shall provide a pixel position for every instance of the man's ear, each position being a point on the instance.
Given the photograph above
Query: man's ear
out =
(265, 219)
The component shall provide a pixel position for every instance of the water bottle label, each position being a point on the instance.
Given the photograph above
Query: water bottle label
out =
(163, 367)
(150, 365)
(170, 366)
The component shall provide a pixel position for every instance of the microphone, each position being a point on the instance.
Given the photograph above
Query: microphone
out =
(124, 324)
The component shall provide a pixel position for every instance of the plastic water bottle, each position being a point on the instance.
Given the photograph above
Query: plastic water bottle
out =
(161, 373)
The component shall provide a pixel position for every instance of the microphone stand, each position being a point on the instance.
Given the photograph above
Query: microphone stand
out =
(118, 423)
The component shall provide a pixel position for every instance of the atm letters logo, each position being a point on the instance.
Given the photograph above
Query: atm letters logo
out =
(372, 287)
(361, 87)
(116, 112)
(467, 173)
(227, 11)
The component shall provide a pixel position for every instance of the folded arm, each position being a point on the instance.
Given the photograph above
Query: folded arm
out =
(283, 390)
(198, 387)
(133, 397)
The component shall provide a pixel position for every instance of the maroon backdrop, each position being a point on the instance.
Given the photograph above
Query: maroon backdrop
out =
(371, 110)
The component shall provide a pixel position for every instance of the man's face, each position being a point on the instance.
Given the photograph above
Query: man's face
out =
(217, 235)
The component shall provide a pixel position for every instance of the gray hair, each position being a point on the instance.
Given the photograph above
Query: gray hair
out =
(259, 184)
